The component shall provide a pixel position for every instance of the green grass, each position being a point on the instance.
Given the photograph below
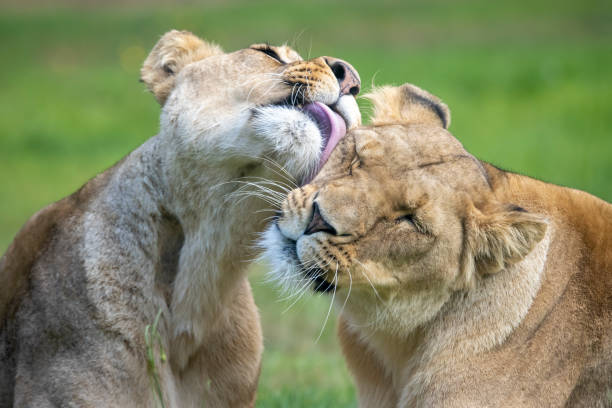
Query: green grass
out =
(528, 83)
(155, 355)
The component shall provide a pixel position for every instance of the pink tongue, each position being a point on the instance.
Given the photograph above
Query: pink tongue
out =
(332, 129)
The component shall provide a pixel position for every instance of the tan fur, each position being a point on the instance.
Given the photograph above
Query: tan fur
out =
(165, 232)
(407, 104)
(459, 284)
(171, 53)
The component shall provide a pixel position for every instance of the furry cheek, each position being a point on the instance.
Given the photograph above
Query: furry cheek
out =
(290, 136)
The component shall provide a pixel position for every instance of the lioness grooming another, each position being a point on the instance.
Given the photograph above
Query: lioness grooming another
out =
(459, 284)
(160, 231)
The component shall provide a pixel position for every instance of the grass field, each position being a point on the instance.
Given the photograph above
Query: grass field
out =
(528, 82)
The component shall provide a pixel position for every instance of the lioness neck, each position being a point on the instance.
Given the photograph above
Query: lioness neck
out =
(416, 360)
(460, 315)
(211, 238)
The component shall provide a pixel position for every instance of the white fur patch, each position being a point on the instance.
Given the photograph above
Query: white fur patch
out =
(283, 270)
(294, 138)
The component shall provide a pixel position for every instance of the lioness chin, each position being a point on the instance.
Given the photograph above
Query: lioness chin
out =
(168, 229)
(459, 284)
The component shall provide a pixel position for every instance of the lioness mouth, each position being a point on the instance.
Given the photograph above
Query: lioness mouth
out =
(315, 274)
(321, 285)
(332, 121)
(332, 126)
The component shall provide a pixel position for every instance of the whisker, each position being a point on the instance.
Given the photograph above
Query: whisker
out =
(302, 291)
(334, 282)
(264, 181)
(304, 288)
(296, 39)
(385, 305)
(368, 279)
(274, 81)
(349, 291)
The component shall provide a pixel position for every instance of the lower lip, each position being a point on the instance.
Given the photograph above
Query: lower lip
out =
(319, 283)
(322, 286)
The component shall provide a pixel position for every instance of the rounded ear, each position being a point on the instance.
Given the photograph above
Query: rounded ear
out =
(172, 53)
(501, 238)
(408, 104)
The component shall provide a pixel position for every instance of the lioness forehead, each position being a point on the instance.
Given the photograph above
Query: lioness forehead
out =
(407, 144)
(404, 148)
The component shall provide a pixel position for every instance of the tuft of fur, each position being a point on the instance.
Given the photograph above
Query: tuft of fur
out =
(304, 139)
(499, 239)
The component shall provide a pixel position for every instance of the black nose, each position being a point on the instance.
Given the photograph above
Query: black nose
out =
(318, 223)
(347, 76)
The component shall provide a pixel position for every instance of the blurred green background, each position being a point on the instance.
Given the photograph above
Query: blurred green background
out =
(529, 84)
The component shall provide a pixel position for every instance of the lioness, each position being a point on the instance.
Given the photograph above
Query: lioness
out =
(160, 231)
(460, 284)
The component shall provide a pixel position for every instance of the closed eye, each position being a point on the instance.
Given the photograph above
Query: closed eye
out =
(356, 163)
(270, 52)
(409, 218)
(413, 222)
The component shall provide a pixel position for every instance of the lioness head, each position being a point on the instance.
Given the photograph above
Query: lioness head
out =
(401, 213)
(262, 101)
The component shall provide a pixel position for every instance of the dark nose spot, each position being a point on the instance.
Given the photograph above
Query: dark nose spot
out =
(347, 76)
(318, 223)
(339, 71)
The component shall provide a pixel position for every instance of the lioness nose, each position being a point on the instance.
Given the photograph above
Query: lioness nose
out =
(318, 223)
(347, 76)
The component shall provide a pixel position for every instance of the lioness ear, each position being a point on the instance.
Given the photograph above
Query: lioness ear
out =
(499, 239)
(408, 104)
(172, 53)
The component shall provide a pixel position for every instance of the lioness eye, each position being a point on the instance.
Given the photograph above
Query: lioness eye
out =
(405, 218)
(414, 222)
(355, 163)
(270, 52)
